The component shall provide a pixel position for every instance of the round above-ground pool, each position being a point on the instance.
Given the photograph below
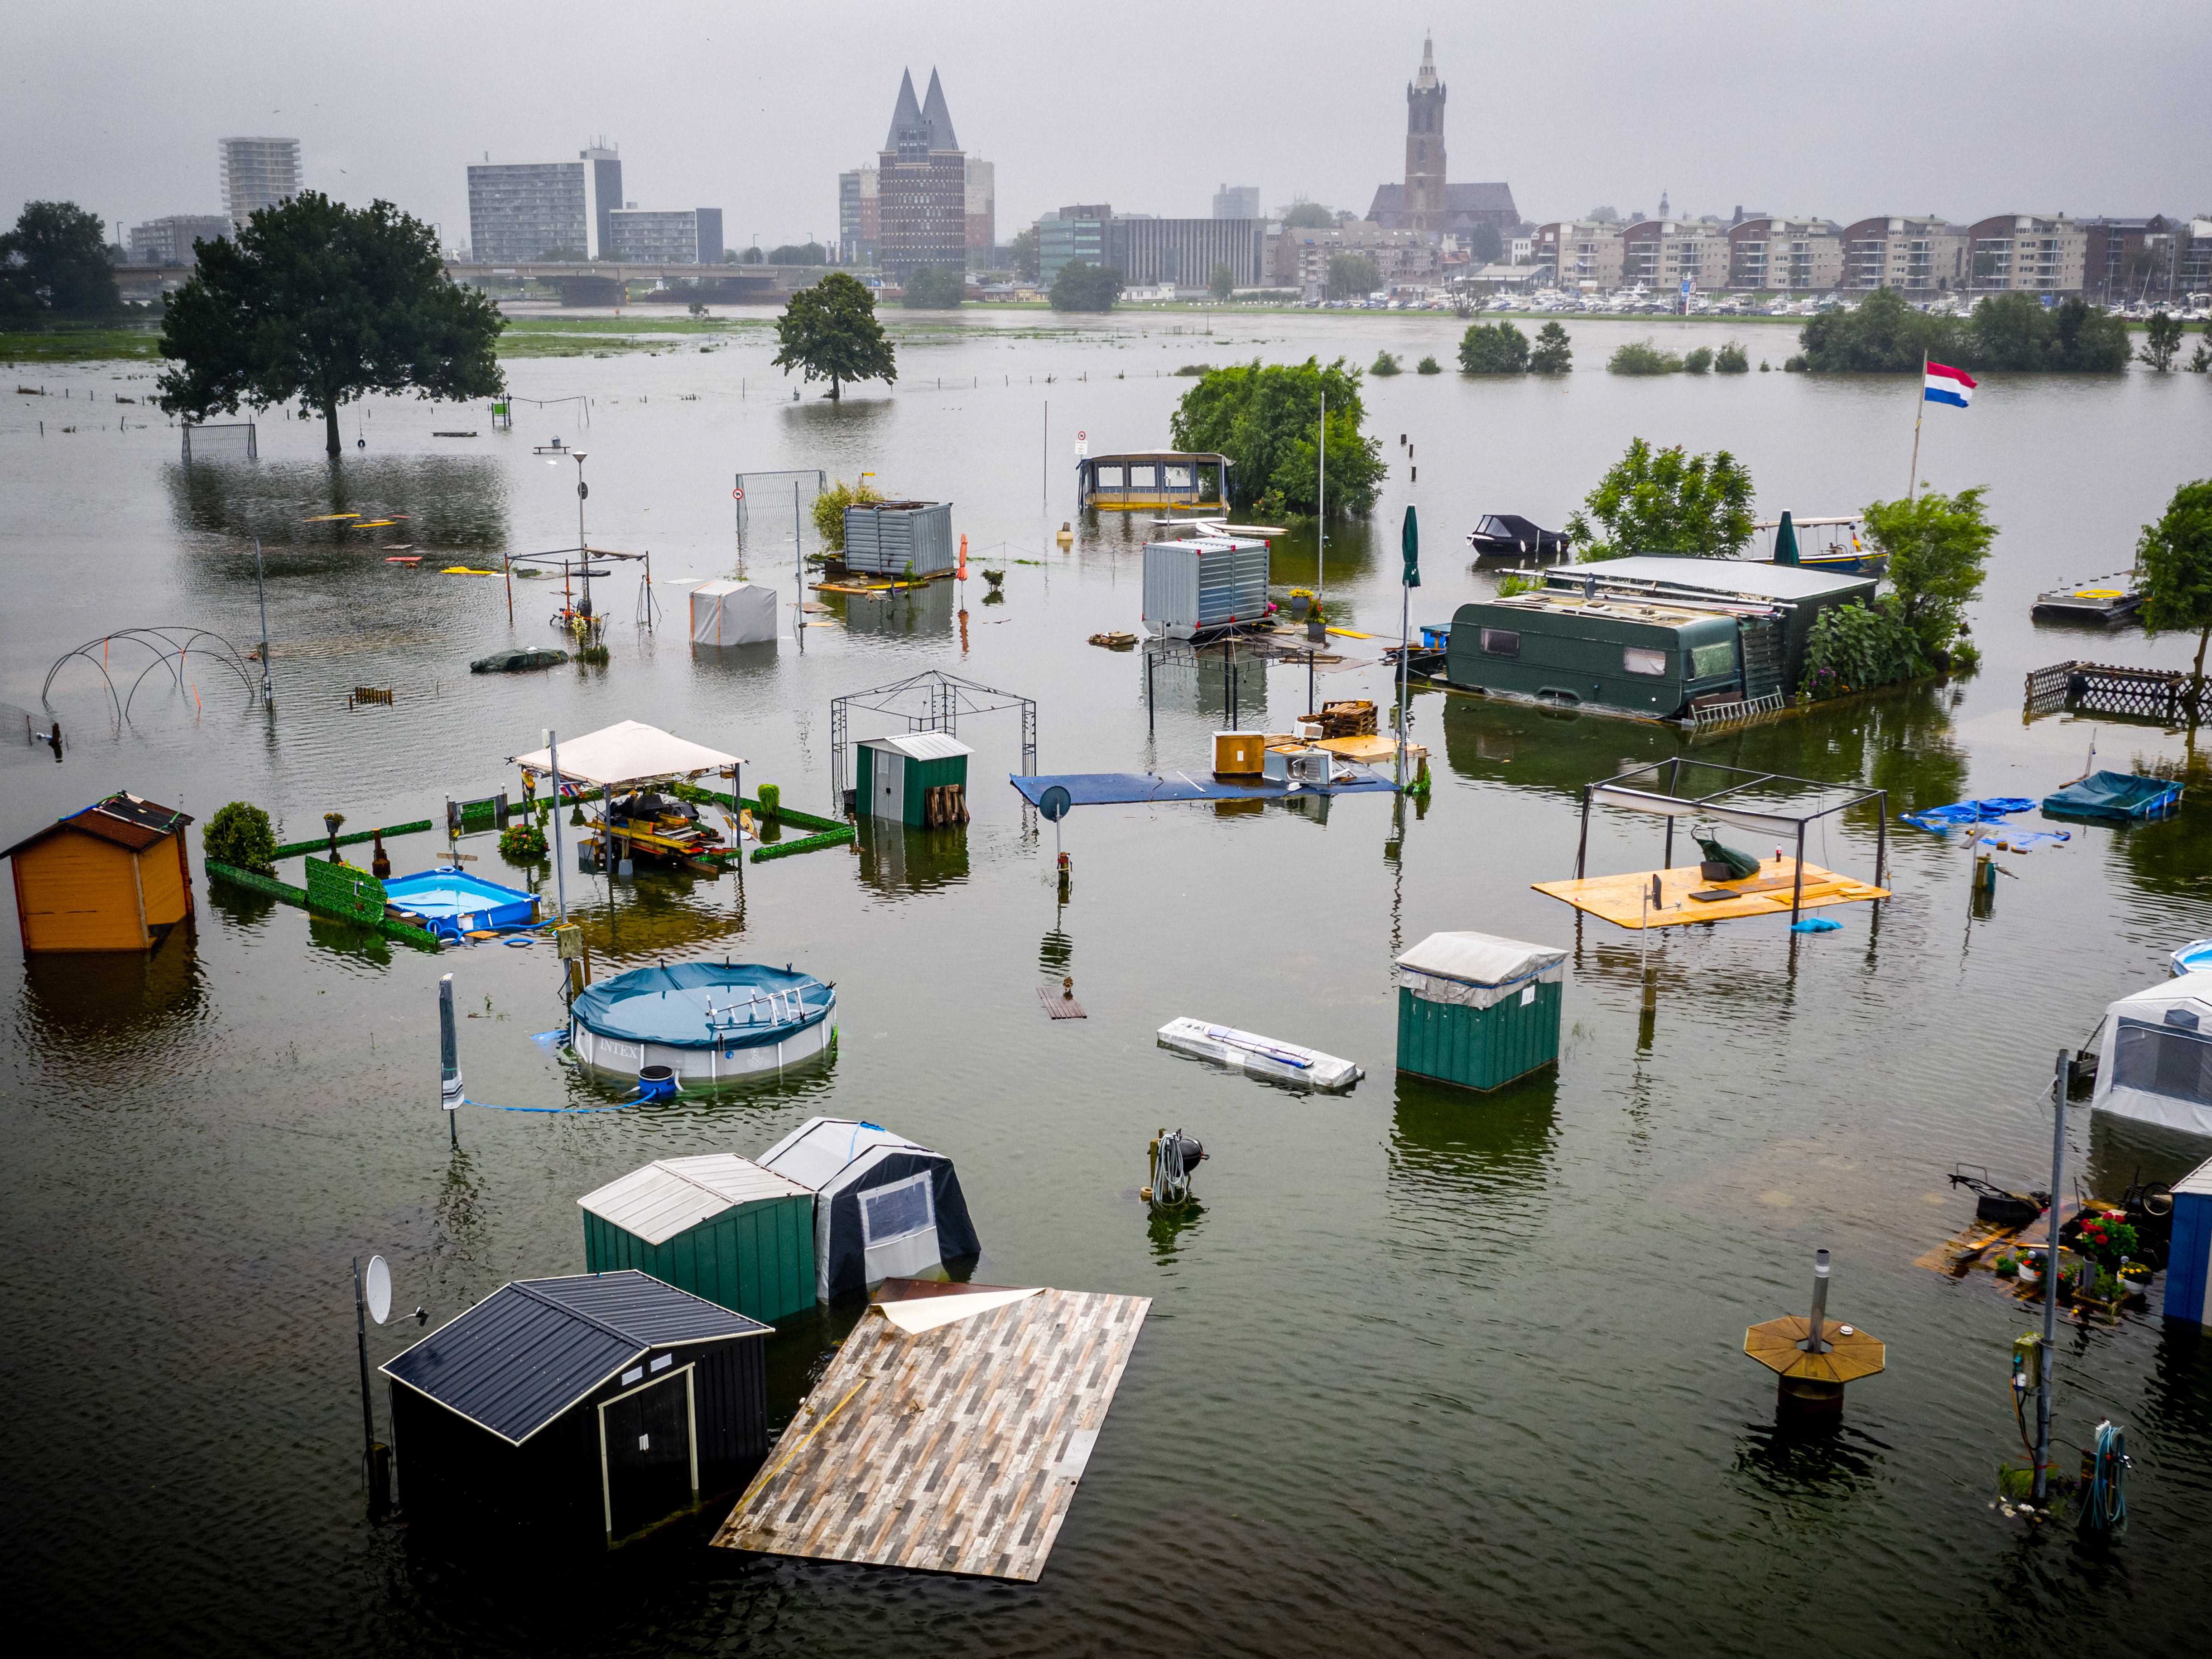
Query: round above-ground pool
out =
(704, 1021)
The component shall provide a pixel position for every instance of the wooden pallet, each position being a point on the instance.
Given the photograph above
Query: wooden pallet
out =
(957, 1450)
(1061, 1004)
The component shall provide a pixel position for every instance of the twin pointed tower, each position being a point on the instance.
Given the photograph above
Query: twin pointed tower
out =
(922, 187)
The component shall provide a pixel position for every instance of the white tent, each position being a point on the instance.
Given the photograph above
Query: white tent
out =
(2155, 1065)
(732, 614)
(628, 753)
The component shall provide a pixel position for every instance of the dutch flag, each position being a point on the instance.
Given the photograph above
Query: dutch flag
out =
(1945, 385)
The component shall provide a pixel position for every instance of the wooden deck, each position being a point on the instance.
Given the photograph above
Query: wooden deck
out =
(957, 1450)
(1620, 898)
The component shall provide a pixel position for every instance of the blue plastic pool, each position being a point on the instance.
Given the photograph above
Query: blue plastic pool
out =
(452, 903)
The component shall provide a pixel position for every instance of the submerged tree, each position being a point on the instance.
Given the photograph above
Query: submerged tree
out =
(2161, 340)
(2173, 561)
(1493, 349)
(829, 332)
(1222, 283)
(1264, 418)
(319, 302)
(934, 288)
(1938, 545)
(1081, 286)
(1666, 501)
(1553, 353)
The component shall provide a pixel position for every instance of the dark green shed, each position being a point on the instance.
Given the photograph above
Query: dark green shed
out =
(1478, 1010)
(897, 774)
(716, 1224)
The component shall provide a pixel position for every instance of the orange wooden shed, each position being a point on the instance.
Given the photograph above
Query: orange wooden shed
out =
(111, 877)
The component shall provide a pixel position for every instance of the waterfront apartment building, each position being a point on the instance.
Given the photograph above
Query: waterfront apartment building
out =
(1583, 253)
(1075, 233)
(921, 214)
(1404, 257)
(2027, 253)
(857, 205)
(1660, 254)
(520, 211)
(257, 172)
(2194, 260)
(1785, 256)
(1236, 202)
(1184, 251)
(665, 236)
(2134, 261)
(1922, 257)
(169, 241)
(982, 217)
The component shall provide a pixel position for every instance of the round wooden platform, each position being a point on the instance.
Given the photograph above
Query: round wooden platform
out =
(1774, 1345)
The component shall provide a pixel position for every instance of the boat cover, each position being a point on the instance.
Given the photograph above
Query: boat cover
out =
(2155, 1063)
(1476, 970)
(629, 752)
(2117, 796)
(514, 662)
(749, 1004)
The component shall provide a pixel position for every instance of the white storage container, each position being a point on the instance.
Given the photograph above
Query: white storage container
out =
(1202, 586)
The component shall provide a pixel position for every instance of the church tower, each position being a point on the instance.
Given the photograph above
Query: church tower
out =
(1426, 206)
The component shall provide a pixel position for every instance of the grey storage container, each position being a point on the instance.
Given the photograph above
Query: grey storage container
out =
(899, 538)
(1204, 584)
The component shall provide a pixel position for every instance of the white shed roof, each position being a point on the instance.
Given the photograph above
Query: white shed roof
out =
(630, 752)
(674, 1194)
(919, 745)
(822, 1148)
(1480, 958)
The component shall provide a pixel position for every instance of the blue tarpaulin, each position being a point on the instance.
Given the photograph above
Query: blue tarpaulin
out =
(1943, 819)
(1101, 789)
(2116, 796)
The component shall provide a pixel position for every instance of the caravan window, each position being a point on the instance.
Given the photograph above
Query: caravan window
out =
(1106, 478)
(1637, 660)
(2166, 1060)
(1144, 477)
(897, 1211)
(1178, 475)
(1708, 661)
(1501, 642)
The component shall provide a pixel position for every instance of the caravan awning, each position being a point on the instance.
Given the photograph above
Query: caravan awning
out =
(630, 752)
(1669, 806)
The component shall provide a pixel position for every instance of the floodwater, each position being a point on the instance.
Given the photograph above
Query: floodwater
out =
(1453, 1373)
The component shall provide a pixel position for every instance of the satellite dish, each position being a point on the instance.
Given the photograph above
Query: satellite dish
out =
(1054, 803)
(376, 1285)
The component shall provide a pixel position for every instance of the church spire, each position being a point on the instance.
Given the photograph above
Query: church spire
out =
(1427, 79)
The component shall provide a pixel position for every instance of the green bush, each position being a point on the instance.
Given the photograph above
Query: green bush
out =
(1554, 353)
(1700, 361)
(1384, 365)
(1493, 349)
(597, 655)
(1428, 365)
(522, 844)
(830, 510)
(771, 800)
(934, 288)
(239, 834)
(1642, 357)
(1854, 647)
(1797, 365)
(1732, 359)
(1519, 581)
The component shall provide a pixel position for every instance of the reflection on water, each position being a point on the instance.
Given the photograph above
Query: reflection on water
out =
(1226, 682)
(896, 860)
(1165, 1229)
(1810, 1467)
(900, 613)
(111, 1001)
(1455, 1142)
(438, 500)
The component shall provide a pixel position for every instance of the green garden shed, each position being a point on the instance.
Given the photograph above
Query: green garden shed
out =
(716, 1224)
(919, 777)
(1477, 1010)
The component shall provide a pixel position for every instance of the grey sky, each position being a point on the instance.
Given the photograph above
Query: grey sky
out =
(1962, 107)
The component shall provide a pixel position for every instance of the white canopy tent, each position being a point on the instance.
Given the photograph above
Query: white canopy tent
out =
(2155, 1063)
(627, 753)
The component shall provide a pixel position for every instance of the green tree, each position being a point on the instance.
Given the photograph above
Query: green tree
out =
(2200, 361)
(1853, 647)
(316, 301)
(1428, 365)
(1732, 359)
(1308, 215)
(1666, 501)
(239, 835)
(2017, 331)
(1263, 418)
(829, 332)
(1938, 545)
(1642, 357)
(1554, 353)
(934, 288)
(1493, 349)
(1384, 365)
(798, 253)
(56, 260)
(1350, 274)
(1881, 335)
(1084, 287)
(1024, 249)
(830, 510)
(751, 256)
(2162, 339)
(2173, 561)
(1698, 360)
(1485, 245)
(1222, 283)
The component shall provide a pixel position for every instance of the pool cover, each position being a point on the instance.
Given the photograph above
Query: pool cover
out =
(750, 1004)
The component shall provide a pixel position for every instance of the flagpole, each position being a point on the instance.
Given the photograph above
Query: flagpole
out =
(1912, 484)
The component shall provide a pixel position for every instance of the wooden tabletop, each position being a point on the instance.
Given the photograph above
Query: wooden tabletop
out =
(1846, 1359)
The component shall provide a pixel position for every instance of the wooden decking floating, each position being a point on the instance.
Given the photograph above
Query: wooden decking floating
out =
(1621, 899)
(954, 1449)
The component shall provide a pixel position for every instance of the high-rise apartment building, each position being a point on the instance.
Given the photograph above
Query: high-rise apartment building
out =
(257, 172)
(921, 187)
(1236, 202)
(1074, 233)
(2027, 253)
(982, 211)
(529, 211)
(857, 205)
(666, 236)
(169, 241)
(1924, 256)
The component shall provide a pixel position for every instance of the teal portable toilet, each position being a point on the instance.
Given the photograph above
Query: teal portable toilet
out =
(919, 778)
(1478, 1010)
(716, 1224)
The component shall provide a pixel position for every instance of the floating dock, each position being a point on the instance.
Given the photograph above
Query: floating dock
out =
(1624, 899)
(954, 1448)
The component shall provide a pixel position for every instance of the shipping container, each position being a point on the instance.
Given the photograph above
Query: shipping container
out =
(1202, 586)
(900, 538)
(1478, 1010)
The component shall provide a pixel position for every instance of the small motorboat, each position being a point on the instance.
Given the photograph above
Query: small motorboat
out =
(2105, 602)
(2194, 957)
(1509, 536)
(1835, 545)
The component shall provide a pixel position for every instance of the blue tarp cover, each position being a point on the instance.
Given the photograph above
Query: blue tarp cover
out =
(1992, 810)
(670, 1005)
(2115, 794)
(451, 902)
(1101, 789)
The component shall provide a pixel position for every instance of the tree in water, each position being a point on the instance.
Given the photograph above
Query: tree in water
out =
(829, 332)
(1084, 287)
(1554, 353)
(1264, 418)
(1222, 283)
(1493, 349)
(2161, 340)
(1666, 501)
(934, 288)
(1938, 545)
(2173, 561)
(316, 301)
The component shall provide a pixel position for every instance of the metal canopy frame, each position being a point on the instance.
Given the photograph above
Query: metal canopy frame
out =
(932, 700)
(1649, 776)
(578, 561)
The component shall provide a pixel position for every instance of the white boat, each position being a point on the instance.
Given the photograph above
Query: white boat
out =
(1262, 1056)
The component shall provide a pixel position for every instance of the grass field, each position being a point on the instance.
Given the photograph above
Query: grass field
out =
(85, 345)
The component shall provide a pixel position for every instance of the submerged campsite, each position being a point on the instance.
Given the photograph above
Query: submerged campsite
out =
(657, 1016)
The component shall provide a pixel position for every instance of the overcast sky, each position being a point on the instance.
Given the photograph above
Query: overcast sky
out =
(1961, 107)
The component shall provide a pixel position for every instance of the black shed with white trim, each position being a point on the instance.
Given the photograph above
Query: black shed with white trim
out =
(586, 1410)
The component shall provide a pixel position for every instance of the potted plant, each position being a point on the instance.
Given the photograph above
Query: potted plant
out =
(2135, 1278)
(2007, 1265)
(2029, 1269)
(333, 822)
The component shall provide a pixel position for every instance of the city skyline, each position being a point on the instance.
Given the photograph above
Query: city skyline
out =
(1941, 124)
